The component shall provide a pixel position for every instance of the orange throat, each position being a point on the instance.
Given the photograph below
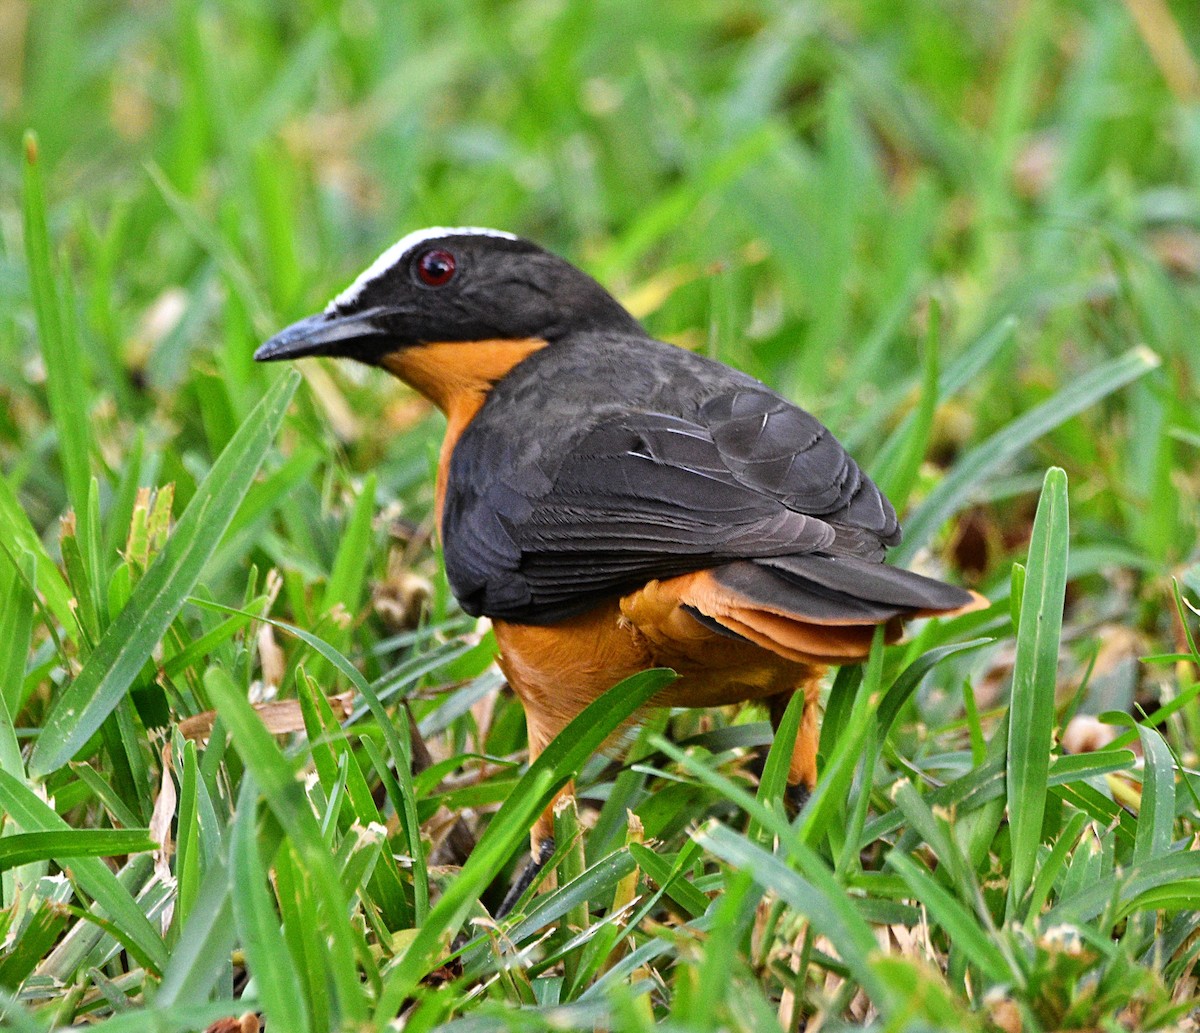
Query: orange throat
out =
(457, 376)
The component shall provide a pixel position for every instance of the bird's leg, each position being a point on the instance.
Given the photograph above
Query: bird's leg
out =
(541, 849)
(540, 853)
(802, 771)
(542, 724)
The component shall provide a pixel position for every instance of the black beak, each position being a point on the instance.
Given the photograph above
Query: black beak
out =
(359, 335)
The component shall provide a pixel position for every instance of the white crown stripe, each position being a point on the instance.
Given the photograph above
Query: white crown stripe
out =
(397, 251)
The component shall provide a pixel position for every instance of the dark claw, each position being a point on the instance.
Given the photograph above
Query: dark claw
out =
(530, 872)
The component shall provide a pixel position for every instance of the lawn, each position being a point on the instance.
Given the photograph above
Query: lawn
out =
(254, 760)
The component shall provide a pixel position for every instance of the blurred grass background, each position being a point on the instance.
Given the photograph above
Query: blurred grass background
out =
(966, 235)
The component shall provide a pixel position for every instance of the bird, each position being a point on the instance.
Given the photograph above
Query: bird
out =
(613, 502)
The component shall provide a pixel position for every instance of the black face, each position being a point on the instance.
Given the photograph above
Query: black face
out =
(458, 286)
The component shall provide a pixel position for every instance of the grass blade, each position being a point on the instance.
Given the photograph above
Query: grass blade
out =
(202, 952)
(559, 762)
(1035, 674)
(906, 683)
(158, 597)
(24, 551)
(33, 814)
(258, 922)
(58, 843)
(960, 925)
(899, 461)
(1156, 815)
(955, 490)
(773, 783)
(397, 744)
(1067, 840)
(601, 876)
(347, 577)
(288, 802)
(66, 388)
(823, 903)
(1181, 868)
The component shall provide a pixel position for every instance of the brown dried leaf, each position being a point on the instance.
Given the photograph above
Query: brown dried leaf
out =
(280, 717)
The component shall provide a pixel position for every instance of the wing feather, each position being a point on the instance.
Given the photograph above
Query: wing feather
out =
(644, 494)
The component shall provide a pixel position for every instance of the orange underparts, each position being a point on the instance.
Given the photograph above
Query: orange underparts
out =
(556, 670)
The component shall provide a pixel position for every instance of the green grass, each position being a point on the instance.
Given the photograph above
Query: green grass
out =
(967, 238)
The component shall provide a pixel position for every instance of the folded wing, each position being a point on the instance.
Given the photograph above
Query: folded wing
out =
(751, 488)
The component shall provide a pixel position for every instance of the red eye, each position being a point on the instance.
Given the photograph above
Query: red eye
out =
(436, 268)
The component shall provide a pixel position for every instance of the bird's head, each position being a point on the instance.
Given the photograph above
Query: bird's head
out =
(445, 285)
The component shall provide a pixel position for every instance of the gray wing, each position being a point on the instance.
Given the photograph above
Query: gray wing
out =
(790, 457)
(648, 495)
